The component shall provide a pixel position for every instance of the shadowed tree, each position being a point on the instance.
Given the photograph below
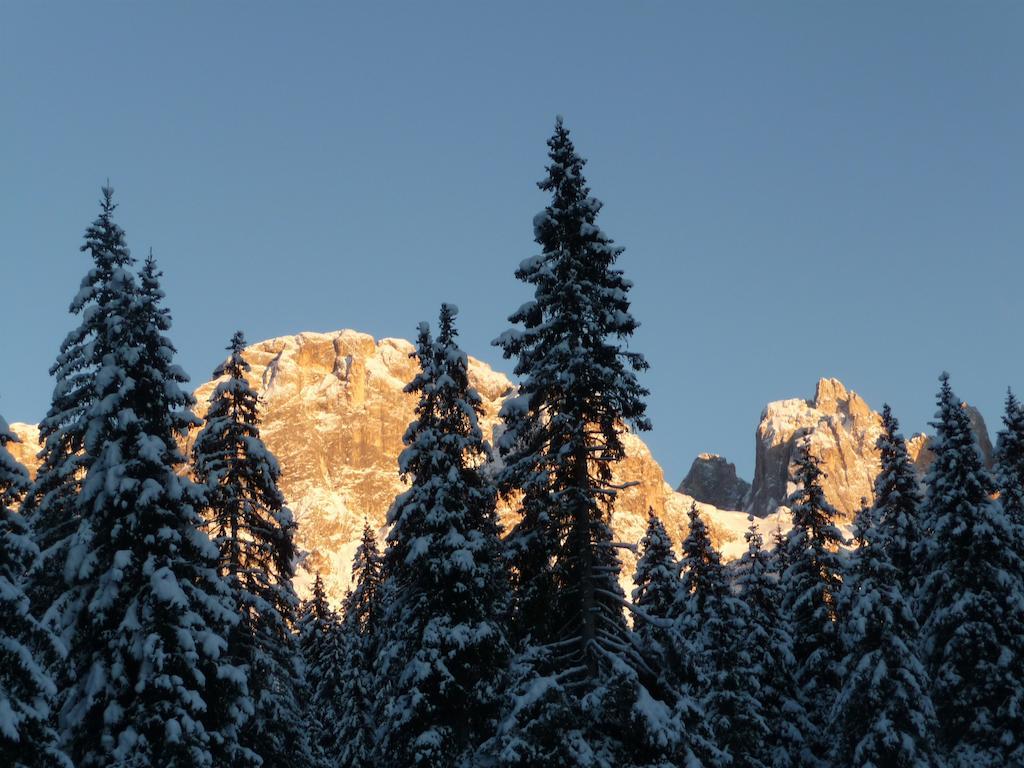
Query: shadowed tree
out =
(254, 534)
(584, 693)
(146, 610)
(971, 600)
(811, 587)
(26, 689)
(444, 651)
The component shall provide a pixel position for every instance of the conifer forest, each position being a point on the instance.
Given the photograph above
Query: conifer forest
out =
(148, 615)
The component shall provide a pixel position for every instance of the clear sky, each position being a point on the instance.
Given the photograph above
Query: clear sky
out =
(803, 188)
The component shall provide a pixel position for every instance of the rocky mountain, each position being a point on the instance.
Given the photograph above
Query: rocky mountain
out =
(334, 414)
(712, 479)
(843, 432)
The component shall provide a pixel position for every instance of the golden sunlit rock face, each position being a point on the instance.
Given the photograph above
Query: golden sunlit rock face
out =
(334, 414)
(843, 431)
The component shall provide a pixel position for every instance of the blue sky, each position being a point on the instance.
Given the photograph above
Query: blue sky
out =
(803, 189)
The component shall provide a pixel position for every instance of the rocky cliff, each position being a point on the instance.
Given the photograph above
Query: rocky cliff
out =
(843, 431)
(713, 480)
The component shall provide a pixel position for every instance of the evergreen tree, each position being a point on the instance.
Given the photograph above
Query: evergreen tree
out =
(26, 689)
(657, 596)
(325, 654)
(1009, 468)
(50, 505)
(770, 647)
(884, 714)
(148, 612)
(530, 550)
(897, 506)
(254, 533)
(563, 433)
(811, 587)
(972, 601)
(445, 648)
(355, 691)
(713, 624)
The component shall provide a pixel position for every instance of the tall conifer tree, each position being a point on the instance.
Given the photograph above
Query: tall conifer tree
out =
(444, 649)
(26, 689)
(1010, 469)
(51, 503)
(254, 533)
(712, 624)
(326, 656)
(770, 648)
(884, 713)
(972, 600)
(563, 434)
(897, 506)
(357, 692)
(811, 587)
(147, 610)
(657, 596)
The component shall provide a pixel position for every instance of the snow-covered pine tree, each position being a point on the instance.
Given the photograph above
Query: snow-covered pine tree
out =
(657, 597)
(712, 625)
(325, 655)
(355, 694)
(563, 432)
(444, 652)
(1009, 468)
(811, 587)
(897, 505)
(770, 648)
(148, 680)
(971, 601)
(530, 551)
(883, 714)
(26, 689)
(254, 534)
(50, 505)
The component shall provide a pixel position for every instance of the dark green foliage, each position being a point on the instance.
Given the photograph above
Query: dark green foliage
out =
(355, 695)
(563, 434)
(254, 534)
(146, 608)
(811, 587)
(444, 651)
(769, 646)
(26, 689)
(884, 713)
(971, 600)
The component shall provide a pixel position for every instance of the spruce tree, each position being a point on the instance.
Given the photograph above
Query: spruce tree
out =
(884, 714)
(50, 505)
(325, 654)
(811, 587)
(148, 683)
(355, 694)
(1009, 468)
(254, 534)
(445, 649)
(971, 600)
(563, 433)
(26, 689)
(657, 596)
(770, 648)
(712, 625)
(897, 505)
